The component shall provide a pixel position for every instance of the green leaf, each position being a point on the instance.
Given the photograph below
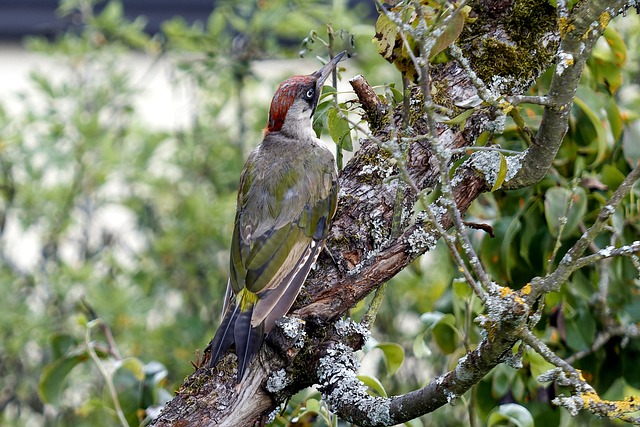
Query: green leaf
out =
(374, 384)
(346, 143)
(133, 365)
(312, 405)
(451, 32)
(414, 423)
(581, 329)
(446, 334)
(483, 138)
(502, 173)
(529, 238)
(61, 344)
(611, 176)
(397, 95)
(631, 368)
(339, 130)
(611, 75)
(420, 348)
(537, 364)
(431, 318)
(631, 144)
(507, 242)
(461, 118)
(54, 374)
(602, 137)
(616, 44)
(510, 414)
(461, 289)
(556, 203)
(632, 310)
(320, 116)
(502, 380)
(615, 118)
(393, 356)
(327, 91)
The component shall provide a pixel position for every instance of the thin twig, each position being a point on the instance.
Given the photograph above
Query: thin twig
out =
(563, 223)
(528, 99)
(103, 371)
(571, 260)
(369, 317)
(608, 252)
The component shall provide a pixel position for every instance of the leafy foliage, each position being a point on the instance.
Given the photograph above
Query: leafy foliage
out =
(115, 235)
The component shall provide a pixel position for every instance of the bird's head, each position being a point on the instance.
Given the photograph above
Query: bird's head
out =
(296, 99)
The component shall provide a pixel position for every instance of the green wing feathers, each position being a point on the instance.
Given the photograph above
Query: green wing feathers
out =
(282, 220)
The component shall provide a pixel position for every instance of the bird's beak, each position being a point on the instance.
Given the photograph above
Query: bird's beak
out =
(325, 71)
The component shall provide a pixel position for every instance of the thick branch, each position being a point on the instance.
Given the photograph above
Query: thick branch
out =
(376, 111)
(338, 367)
(579, 35)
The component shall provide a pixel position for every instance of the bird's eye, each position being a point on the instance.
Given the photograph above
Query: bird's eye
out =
(310, 93)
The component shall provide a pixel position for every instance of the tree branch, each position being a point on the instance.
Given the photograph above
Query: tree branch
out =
(579, 31)
(584, 397)
(349, 398)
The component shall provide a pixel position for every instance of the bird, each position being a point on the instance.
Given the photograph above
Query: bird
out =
(286, 200)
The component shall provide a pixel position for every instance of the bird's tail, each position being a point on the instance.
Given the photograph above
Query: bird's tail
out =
(236, 327)
(223, 337)
(248, 340)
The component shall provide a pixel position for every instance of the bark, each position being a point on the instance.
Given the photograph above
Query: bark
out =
(372, 237)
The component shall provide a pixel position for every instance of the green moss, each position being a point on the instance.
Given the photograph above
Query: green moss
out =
(440, 95)
(379, 122)
(194, 385)
(340, 242)
(531, 17)
(503, 57)
(520, 59)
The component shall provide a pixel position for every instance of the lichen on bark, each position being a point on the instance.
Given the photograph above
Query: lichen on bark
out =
(499, 47)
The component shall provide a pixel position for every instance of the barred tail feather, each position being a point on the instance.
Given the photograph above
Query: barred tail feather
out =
(224, 336)
(248, 340)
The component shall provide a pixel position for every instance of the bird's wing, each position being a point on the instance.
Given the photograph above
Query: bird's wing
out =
(306, 236)
(277, 238)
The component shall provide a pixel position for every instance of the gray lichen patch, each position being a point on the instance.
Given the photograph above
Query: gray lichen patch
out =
(341, 388)
(292, 328)
(278, 381)
(348, 327)
(421, 241)
(463, 373)
(488, 164)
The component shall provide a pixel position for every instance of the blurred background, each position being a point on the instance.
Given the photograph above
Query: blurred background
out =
(124, 126)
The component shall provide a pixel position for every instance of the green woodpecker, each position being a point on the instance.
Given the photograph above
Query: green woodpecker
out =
(287, 197)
